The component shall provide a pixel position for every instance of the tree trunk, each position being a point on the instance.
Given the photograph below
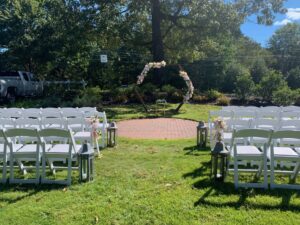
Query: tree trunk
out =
(157, 42)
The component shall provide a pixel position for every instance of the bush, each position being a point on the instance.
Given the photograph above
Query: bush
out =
(297, 97)
(199, 98)
(176, 97)
(284, 96)
(270, 83)
(223, 100)
(212, 94)
(244, 86)
(89, 97)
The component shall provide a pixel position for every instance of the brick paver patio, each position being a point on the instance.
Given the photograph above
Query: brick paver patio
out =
(159, 128)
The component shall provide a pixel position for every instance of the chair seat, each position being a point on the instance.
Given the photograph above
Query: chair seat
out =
(86, 135)
(61, 149)
(248, 151)
(29, 149)
(285, 152)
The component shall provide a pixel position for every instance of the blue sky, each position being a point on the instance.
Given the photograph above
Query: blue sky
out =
(261, 33)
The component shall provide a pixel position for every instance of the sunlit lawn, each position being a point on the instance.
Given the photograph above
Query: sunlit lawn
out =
(149, 182)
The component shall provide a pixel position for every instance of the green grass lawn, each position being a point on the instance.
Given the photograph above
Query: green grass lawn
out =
(188, 111)
(149, 182)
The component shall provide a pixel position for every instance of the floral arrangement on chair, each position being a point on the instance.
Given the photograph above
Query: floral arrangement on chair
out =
(189, 84)
(219, 126)
(94, 123)
(146, 69)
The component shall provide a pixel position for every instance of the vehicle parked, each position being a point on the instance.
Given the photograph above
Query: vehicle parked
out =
(20, 83)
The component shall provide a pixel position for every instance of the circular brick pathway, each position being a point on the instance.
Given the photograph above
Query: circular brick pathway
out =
(160, 128)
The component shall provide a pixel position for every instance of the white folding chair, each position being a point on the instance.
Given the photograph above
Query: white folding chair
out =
(245, 114)
(88, 111)
(31, 113)
(23, 152)
(4, 156)
(250, 152)
(76, 124)
(51, 113)
(31, 123)
(71, 112)
(64, 153)
(287, 154)
(291, 108)
(47, 122)
(235, 124)
(11, 113)
(264, 113)
(290, 115)
(7, 123)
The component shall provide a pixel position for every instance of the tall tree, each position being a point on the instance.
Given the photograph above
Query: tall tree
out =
(285, 46)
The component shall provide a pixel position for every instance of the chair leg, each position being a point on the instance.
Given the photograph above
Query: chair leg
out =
(69, 170)
(11, 172)
(43, 168)
(272, 178)
(296, 171)
(265, 171)
(236, 176)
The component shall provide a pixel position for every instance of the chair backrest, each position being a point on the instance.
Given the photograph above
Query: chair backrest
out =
(252, 133)
(58, 134)
(286, 134)
(72, 113)
(287, 115)
(267, 114)
(76, 123)
(289, 137)
(272, 124)
(19, 133)
(51, 113)
(29, 123)
(53, 122)
(270, 108)
(237, 124)
(290, 108)
(245, 114)
(31, 113)
(7, 123)
(250, 108)
(292, 124)
(11, 113)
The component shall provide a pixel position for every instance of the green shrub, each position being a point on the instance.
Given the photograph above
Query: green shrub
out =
(297, 96)
(270, 83)
(199, 98)
(223, 100)
(284, 96)
(169, 89)
(244, 86)
(212, 94)
(176, 97)
(89, 97)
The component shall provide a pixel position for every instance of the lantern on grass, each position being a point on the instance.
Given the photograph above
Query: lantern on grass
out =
(112, 135)
(201, 134)
(219, 154)
(86, 163)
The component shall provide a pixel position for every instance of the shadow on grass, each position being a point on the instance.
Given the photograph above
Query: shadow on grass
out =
(216, 189)
(27, 189)
(196, 150)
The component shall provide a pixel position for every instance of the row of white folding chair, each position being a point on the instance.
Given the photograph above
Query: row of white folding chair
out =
(47, 112)
(39, 151)
(267, 153)
(266, 108)
(80, 127)
(259, 124)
